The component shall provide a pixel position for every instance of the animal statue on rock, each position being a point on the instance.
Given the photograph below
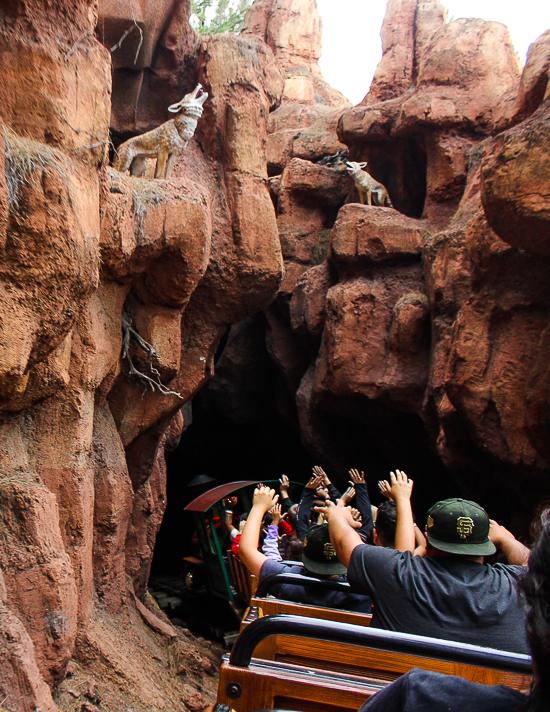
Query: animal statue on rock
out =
(371, 192)
(166, 142)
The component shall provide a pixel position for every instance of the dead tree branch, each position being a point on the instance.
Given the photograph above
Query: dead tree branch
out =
(154, 382)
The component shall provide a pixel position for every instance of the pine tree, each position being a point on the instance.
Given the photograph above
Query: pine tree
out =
(212, 16)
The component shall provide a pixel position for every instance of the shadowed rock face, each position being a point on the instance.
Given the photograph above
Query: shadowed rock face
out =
(83, 474)
(426, 326)
(151, 47)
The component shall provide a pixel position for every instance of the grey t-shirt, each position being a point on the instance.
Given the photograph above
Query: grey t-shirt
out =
(448, 597)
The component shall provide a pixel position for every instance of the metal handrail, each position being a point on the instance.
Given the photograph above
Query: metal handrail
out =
(299, 580)
(404, 643)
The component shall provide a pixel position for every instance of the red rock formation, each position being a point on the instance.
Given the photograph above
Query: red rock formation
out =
(394, 330)
(431, 328)
(151, 44)
(408, 26)
(83, 488)
(305, 124)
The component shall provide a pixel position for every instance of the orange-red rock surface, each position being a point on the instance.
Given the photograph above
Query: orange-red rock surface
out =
(83, 476)
(426, 325)
(416, 334)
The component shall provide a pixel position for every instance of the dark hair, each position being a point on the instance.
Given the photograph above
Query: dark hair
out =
(291, 517)
(536, 587)
(541, 518)
(386, 523)
(292, 549)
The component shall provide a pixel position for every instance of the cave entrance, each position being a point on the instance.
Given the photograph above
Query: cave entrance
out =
(244, 426)
(402, 166)
(241, 426)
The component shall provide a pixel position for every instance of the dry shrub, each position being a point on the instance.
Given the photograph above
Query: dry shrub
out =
(146, 193)
(23, 157)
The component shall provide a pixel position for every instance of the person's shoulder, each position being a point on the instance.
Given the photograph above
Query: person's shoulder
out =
(509, 570)
(270, 566)
(370, 552)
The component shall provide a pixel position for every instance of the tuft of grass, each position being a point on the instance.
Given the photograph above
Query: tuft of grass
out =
(23, 157)
(146, 193)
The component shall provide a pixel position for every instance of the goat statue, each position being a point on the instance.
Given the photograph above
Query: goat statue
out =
(166, 142)
(371, 192)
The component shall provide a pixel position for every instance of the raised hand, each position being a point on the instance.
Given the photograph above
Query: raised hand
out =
(264, 498)
(275, 512)
(316, 482)
(230, 502)
(284, 485)
(330, 510)
(399, 487)
(357, 477)
(356, 514)
(322, 493)
(346, 498)
(319, 471)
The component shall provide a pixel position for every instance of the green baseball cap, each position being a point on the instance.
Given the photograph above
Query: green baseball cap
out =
(318, 555)
(458, 526)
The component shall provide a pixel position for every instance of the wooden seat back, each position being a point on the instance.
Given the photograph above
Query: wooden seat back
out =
(275, 606)
(265, 684)
(339, 657)
(242, 578)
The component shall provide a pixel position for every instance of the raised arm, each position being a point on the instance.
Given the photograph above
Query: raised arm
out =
(228, 521)
(421, 542)
(362, 500)
(304, 508)
(505, 541)
(399, 489)
(264, 499)
(333, 492)
(270, 546)
(284, 486)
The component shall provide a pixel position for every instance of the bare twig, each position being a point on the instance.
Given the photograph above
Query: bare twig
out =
(125, 35)
(121, 40)
(153, 383)
(140, 33)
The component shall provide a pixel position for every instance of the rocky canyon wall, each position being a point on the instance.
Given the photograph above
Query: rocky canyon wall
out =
(421, 330)
(84, 251)
(415, 335)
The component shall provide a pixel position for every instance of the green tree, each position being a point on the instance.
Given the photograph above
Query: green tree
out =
(211, 16)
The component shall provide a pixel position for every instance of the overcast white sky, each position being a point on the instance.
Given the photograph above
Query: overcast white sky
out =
(351, 34)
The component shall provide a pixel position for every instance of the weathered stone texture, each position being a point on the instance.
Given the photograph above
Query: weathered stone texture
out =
(430, 318)
(82, 453)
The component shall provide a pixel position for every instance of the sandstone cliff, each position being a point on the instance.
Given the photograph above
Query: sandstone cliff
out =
(414, 335)
(85, 249)
(426, 326)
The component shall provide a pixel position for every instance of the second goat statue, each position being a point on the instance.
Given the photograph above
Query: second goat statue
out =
(166, 142)
(371, 192)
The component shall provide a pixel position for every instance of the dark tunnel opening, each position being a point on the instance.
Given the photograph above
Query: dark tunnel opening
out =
(402, 167)
(245, 427)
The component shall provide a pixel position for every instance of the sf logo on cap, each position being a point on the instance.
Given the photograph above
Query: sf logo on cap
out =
(329, 551)
(464, 526)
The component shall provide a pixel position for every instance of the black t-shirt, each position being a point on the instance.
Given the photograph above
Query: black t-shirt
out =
(313, 597)
(448, 597)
